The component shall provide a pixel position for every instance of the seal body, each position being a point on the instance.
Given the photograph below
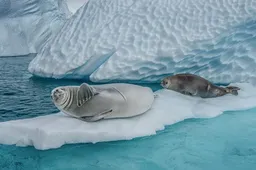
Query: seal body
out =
(92, 103)
(193, 85)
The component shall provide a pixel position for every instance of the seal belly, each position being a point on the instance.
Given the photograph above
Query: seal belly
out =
(138, 100)
(106, 100)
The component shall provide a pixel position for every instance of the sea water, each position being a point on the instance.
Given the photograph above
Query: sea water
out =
(225, 142)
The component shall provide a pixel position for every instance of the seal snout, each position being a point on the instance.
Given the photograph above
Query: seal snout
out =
(56, 94)
(164, 83)
(53, 94)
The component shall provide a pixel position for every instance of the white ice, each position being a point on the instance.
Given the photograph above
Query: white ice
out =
(53, 131)
(26, 25)
(74, 5)
(146, 40)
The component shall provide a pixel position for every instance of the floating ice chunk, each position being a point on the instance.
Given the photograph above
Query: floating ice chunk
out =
(53, 131)
(152, 38)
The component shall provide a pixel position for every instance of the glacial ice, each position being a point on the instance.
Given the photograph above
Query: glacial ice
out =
(144, 40)
(26, 25)
(55, 130)
(74, 5)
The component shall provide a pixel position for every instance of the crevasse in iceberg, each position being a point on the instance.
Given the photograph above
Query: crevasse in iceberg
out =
(26, 25)
(145, 40)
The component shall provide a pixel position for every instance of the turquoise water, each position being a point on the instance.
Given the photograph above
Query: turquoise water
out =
(225, 142)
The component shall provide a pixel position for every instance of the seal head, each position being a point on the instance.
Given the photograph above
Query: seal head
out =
(171, 82)
(59, 96)
(166, 83)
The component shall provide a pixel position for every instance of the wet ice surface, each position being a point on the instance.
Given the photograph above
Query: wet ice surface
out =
(226, 142)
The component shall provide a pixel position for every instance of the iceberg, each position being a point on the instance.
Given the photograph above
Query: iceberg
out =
(141, 40)
(27, 25)
(54, 130)
(73, 6)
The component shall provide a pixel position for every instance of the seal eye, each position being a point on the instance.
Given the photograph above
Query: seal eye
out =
(217, 90)
(165, 82)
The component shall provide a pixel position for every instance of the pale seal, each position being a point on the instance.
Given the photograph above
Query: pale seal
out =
(96, 102)
(193, 85)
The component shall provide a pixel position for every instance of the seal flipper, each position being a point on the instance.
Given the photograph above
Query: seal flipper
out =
(186, 93)
(96, 117)
(85, 93)
(232, 89)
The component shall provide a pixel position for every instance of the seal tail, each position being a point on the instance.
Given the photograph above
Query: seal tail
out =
(232, 89)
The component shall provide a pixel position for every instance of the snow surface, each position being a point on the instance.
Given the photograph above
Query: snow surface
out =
(53, 131)
(26, 25)
(146, 40)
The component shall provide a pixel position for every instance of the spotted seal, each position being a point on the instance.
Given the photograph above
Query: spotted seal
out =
(193, 85)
